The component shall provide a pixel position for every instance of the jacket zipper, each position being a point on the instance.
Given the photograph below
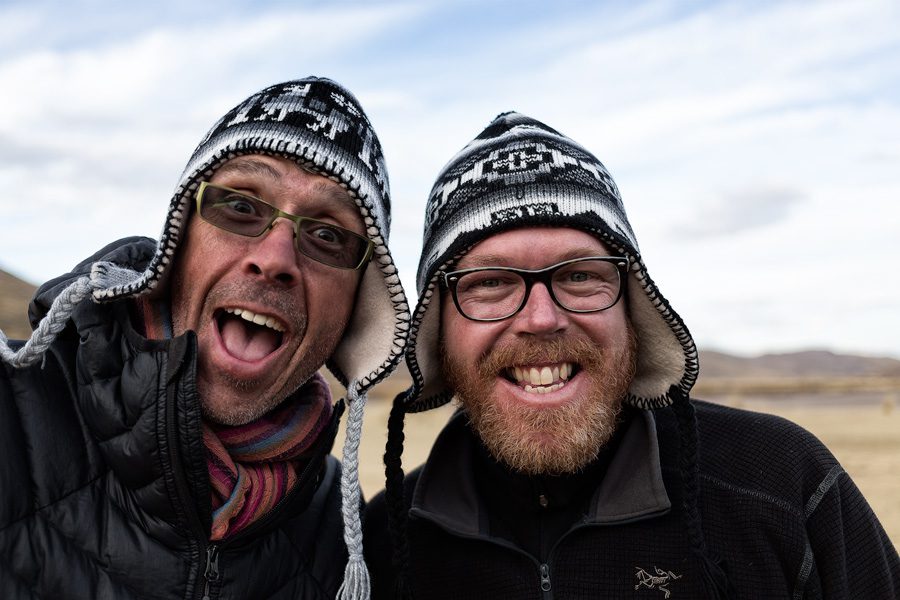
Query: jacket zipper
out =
(545, 581)
(183, 491)
(543, 568)
(211, 574)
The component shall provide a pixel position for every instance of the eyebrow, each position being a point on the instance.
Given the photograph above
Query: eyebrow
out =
(251, 166)
(338, 194)
(498, 260)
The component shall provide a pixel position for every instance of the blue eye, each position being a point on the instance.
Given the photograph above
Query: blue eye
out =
(579, 277)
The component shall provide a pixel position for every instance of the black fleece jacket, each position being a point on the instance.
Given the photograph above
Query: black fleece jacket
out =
(104, 490)
(776, 508)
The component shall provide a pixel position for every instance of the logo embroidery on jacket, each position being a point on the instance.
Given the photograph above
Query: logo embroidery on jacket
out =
(660, 581)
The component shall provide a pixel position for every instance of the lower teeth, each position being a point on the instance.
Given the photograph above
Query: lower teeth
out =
(543, 389)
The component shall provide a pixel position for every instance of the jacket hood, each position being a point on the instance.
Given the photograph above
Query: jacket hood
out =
(135, 251)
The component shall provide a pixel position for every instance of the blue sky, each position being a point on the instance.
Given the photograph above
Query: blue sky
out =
(756, 145)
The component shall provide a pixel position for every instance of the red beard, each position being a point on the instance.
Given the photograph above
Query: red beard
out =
(546, 440)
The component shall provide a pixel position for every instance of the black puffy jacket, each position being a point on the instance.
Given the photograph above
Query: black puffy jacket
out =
(104, 490)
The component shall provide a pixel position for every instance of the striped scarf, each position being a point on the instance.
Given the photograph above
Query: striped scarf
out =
(253, 466)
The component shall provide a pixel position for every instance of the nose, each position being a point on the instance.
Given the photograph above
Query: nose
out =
(540, 316)
(273, 256)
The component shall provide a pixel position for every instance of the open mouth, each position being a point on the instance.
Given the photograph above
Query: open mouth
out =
(543, 379)
(247, 335)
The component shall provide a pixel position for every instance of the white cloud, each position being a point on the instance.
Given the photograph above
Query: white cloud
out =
(775, 123)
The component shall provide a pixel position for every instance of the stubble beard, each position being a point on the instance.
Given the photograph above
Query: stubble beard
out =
(545, 441)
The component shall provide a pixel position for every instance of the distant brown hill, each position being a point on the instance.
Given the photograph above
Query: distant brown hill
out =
(807, 372)
(15, 295)
(808, 363)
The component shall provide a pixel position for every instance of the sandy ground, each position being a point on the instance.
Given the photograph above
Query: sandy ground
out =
(865, 439)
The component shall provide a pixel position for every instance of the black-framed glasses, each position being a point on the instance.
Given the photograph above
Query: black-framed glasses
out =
(249, 216)
(580, 285)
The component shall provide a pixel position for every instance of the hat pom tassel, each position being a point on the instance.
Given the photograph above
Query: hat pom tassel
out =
(356, 583)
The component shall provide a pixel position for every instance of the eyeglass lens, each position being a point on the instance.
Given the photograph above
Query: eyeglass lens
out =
(583, 286)
(249, 216)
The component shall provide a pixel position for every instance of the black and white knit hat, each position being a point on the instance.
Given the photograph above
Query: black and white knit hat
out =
(516, 173)
(320, 125)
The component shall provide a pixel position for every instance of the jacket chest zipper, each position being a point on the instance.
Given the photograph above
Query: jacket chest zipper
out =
(545, 581)
(211, 573)
(543, 567)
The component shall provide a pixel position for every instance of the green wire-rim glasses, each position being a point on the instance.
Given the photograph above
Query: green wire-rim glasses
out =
(249, 216)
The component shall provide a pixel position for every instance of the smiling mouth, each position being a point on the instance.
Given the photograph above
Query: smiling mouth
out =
(249, 336)
(543, 379)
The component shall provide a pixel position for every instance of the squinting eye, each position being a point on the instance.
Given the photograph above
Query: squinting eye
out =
(481, 282)
(579, 276)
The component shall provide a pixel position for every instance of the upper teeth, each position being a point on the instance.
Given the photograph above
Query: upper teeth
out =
(533, 376)
(251, 316)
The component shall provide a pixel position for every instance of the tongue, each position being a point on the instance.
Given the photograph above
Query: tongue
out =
(248, 342)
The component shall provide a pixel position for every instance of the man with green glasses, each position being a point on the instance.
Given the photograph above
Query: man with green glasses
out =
(165, 432)
(578, 466)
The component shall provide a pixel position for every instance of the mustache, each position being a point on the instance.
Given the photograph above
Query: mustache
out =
(578, 350)
(283, 303)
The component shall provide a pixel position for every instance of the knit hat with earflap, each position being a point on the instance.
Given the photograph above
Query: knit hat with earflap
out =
(321, 126)
(518, 173)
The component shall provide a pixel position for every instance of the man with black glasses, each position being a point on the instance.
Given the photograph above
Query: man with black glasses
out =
(578, 466)
(165, 432)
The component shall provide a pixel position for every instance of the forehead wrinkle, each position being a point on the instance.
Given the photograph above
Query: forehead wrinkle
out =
(246, 165)
(504, 260)
(249, 166)
(334, 191)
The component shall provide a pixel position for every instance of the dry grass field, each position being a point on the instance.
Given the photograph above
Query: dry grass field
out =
(865, 438)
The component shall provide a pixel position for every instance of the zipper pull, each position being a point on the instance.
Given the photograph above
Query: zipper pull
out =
(545, 578)
(212, 568)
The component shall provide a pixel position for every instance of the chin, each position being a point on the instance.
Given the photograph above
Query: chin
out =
(228, 408)
(541, 441)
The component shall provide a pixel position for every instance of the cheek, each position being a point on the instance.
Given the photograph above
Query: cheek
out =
(192, 267)
(334, 298)
(610, 329)
(183, 285)
(465, 341)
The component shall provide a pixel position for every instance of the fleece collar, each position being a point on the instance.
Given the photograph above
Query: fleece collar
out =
(632, 488)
